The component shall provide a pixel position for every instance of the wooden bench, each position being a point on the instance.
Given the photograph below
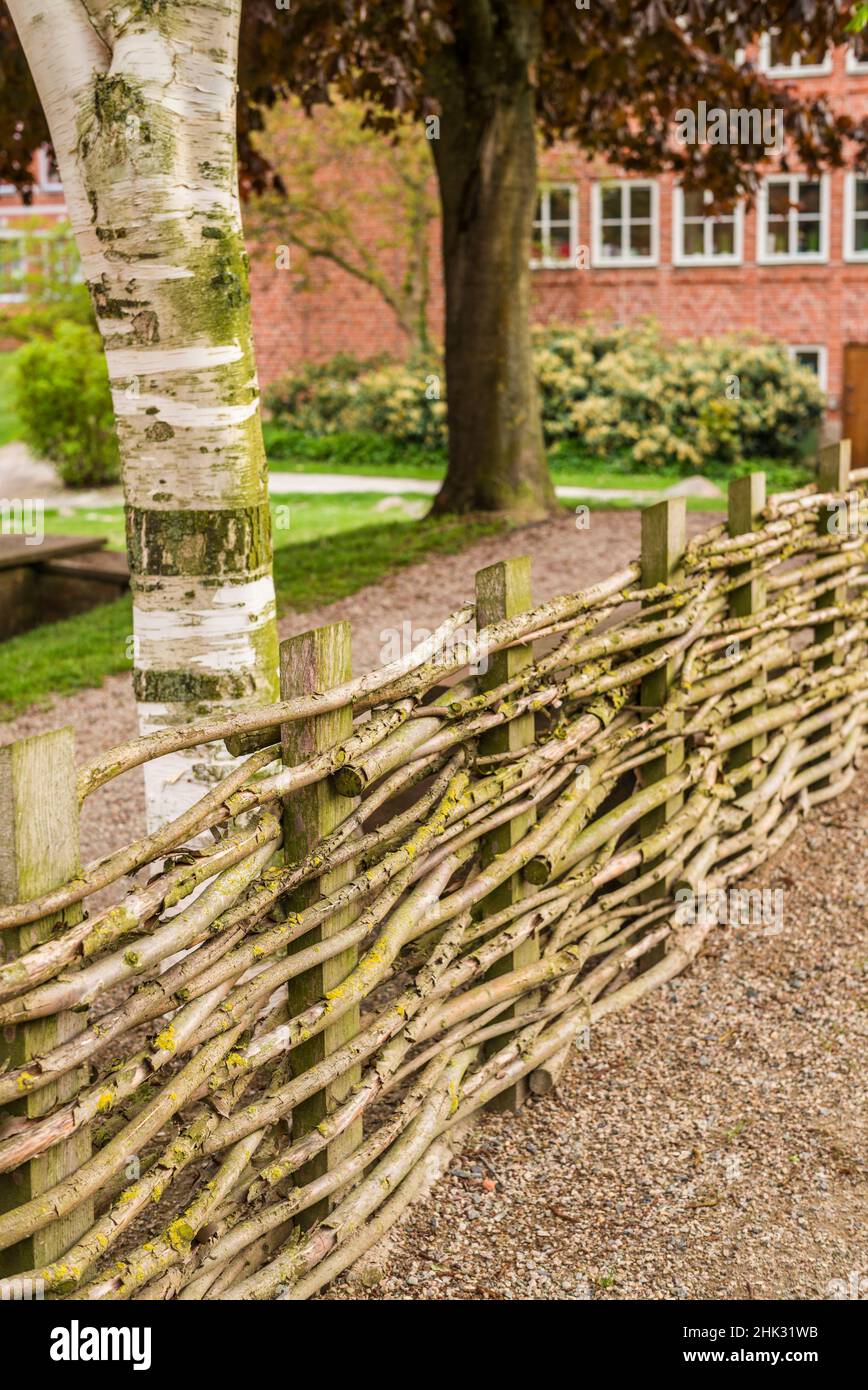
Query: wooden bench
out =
(56, 578)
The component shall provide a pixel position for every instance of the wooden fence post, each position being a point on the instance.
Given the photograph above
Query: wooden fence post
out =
(833, 475)
(503, 590)
(664, 538)
(39, 850)
(310, 662)
(747, 499)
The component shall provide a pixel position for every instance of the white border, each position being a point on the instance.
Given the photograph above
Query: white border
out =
(797, 69)
(808, 258)
(852, 64)
(850, 254)
(548, 263)
(601, 262)
(822, 360)
(679, 258)
(44, 183)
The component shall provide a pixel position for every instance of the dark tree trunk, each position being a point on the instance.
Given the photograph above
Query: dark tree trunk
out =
(486, 167)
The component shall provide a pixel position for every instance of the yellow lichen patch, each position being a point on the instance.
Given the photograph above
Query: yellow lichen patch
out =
(165, 1041)
(180, 1235)
(26, 1081)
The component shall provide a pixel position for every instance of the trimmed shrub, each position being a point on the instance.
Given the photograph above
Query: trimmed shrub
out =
(63, 400)
(692, 405)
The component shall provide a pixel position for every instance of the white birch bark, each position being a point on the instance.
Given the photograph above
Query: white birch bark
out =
(140, 101)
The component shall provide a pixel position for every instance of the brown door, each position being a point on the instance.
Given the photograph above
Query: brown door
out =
(855, 421)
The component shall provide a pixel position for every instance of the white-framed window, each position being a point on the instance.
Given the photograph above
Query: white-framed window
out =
(702, 238)
(857, 53)
(776, 63)
(555, 242)
(13, 267)
(814, 356)
(626, 223)
(792, 219)
(856, 217)
(47, 174)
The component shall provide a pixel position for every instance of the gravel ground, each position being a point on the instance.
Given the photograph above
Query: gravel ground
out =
(707, 1144)
(564, 559)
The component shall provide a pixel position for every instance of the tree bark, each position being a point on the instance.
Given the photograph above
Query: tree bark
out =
(140, 101)
(486, 167)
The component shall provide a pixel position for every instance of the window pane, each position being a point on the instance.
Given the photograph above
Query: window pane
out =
(536, 245)
(810, 358)
(694, 204)
(640, 239)
(723, 238)
(538, 215)
(559, 205)
(694, 244)
(610, 200)
(559, 244)
(640, 202)
(812, 57)
(808, 237)
(861, 195)
(777, 239)
(809, 196)
(610, 240)
(860, 234)
(779, 198)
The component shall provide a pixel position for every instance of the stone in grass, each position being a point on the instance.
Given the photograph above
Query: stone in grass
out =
(694, 486)
(410, 506)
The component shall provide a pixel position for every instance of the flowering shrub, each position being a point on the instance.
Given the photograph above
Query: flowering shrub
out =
(682, 405)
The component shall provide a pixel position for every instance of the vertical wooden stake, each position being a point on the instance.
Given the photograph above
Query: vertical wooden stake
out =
(664, 537)
(315, 661)
(833, 475)
(503, 591)
(747, 498)
(39, 850)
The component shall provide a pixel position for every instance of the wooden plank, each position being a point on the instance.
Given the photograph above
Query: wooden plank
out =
(102, 566)
(833, 475)
(503, 590)
(664, 538)
(14, 550)
(39, 850)
(315, 661)
(747, 499)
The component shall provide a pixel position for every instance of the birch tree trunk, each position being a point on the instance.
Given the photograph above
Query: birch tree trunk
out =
(140, 101)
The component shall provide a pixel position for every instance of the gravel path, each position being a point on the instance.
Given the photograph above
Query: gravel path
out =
(564, 559)
(707, 1144)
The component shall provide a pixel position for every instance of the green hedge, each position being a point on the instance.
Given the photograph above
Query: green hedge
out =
(691, 406)
(62, 397)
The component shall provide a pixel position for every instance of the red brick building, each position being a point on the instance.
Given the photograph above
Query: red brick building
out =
(794, 266)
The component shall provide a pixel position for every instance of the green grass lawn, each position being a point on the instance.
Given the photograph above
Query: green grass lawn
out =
(332, 547)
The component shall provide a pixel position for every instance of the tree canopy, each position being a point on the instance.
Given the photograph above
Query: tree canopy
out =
(610, 77)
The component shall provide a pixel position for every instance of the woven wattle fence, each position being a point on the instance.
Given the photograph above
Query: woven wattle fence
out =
(420, 887)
